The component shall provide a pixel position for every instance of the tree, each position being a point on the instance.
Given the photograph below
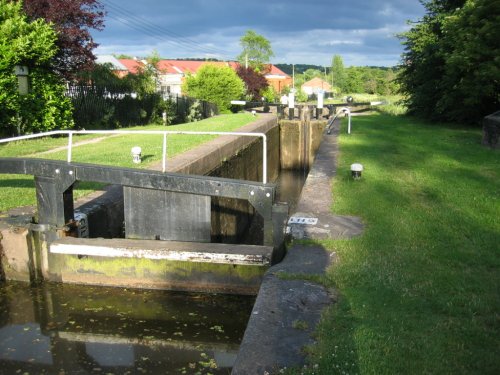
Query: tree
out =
(72, 20)
(256, 52)
(354, 80)
(450, 69)
(338, 73)
(216, 84)
(31, 44)
(312, 73)
(146, 80)
(255, 82)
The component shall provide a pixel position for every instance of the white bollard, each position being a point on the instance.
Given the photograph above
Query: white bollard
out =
(136, 154)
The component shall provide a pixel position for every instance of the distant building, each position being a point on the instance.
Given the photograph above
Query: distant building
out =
(277, 78)
(117, 66)
(314, 85)
(173, 72)
(134, 66)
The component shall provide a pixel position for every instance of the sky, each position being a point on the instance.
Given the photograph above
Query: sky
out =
(363, 32)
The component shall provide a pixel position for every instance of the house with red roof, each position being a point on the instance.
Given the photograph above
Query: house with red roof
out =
(173, 72)
(315, 85)
(133, 66)
(277, 78)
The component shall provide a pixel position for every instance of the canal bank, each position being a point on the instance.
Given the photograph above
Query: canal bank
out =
(289, 305)
(189, 217)
(294, 305)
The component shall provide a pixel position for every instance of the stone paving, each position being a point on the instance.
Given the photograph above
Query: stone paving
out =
(288, 306)
(316, 198)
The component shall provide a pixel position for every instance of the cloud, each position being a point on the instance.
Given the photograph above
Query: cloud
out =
(300, 32)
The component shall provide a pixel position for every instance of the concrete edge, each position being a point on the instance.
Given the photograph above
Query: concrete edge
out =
(208, 156)
(288, 307)
(286, 312)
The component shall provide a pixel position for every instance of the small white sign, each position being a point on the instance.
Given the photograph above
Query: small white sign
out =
(303, 220)
(238, 102)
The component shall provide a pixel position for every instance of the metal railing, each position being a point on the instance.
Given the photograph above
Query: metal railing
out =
(70, 134)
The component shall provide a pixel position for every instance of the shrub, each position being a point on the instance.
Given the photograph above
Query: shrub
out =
(216, 84)
(31, 44)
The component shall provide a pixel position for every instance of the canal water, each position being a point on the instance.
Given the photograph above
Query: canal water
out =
(69, 329)
(289, 186)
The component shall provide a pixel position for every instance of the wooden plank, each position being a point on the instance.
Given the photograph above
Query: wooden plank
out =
(165, 250)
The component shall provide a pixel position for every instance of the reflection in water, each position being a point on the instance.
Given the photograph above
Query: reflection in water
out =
(289, 186)
(68, 329)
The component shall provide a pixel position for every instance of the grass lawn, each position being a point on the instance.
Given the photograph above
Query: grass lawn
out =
(18, 190)
(419, 291)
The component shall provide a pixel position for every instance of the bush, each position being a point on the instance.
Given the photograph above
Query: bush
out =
(194, 112)
(215, 84)
(169, 107)
(300, 96)
(101, 107)
(31, 44)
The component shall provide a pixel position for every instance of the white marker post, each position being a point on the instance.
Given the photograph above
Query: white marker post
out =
(291, 105)
(319, 107)
(348, 112)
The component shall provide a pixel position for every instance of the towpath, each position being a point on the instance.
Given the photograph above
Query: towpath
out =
(289, 306)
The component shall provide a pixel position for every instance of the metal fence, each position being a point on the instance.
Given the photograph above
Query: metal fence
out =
(112, 107)
(163, 133)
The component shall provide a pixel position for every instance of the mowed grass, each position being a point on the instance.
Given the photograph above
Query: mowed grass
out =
(419, 291)
(18, 190)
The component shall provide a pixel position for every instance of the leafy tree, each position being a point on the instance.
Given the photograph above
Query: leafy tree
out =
(270, 94)
(255, 82)
(257, 50)
(101, 75)
(354, 80)
(144, 82)
(31, 44)
(312, 73)
(451, 67)
(216, 84)
(72, 20)
(338, 72)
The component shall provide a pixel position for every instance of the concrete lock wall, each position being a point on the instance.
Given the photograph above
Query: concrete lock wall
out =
(200, 218)
(289, 146)
(300, 140)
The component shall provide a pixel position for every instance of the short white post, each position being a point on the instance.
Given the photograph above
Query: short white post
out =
(136, 154)
(348, 111)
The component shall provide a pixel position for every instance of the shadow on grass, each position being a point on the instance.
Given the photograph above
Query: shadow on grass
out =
(17, 183)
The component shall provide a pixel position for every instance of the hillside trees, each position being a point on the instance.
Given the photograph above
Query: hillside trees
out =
(451, 65)
(72, 20)
(30, 44)
(216, 84)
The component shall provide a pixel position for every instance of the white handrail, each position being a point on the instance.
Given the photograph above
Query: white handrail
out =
(152, 132)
